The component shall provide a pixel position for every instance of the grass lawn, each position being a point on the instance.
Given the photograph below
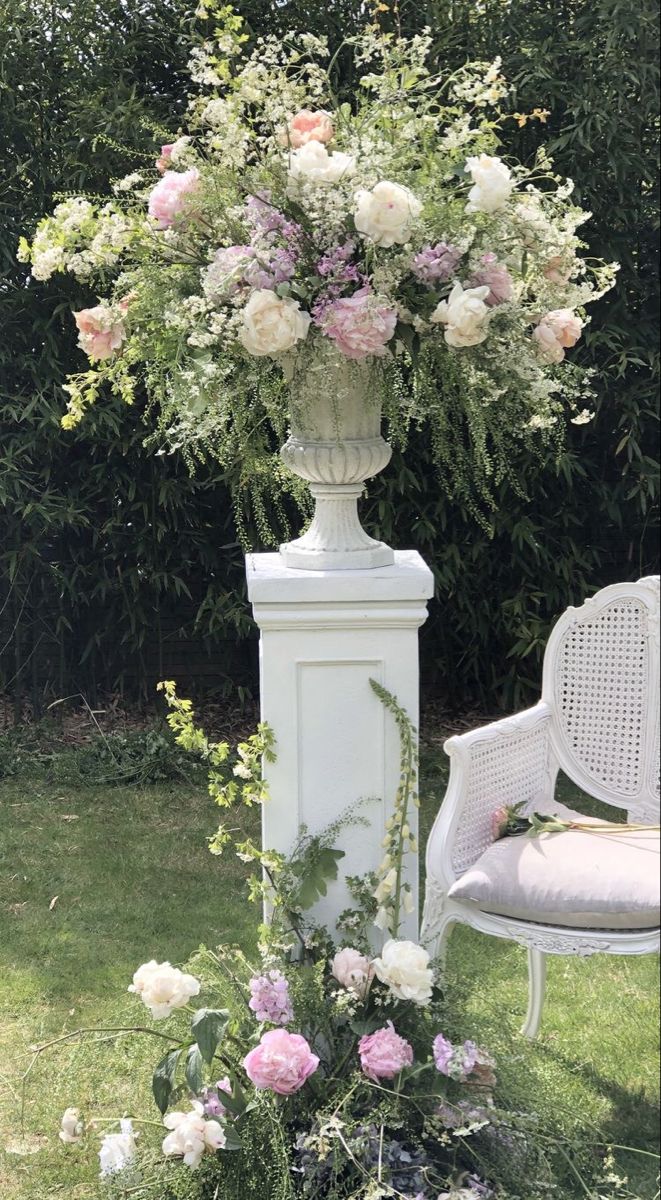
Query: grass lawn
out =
(134, 880)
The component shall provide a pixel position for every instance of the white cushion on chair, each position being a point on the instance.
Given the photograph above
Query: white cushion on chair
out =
(582, 879)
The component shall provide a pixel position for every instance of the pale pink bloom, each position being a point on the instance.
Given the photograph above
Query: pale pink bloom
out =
(353, 971)
(100, 332)
(498, 823)
(163, 162)
(384, 1053)
(360, 325)
(281, 1063)
(556, 270)
(558, 331)
(307, 126)
(496, 277)
(170, 199)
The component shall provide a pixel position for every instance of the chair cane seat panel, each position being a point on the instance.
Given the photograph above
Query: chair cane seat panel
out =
(580, 879)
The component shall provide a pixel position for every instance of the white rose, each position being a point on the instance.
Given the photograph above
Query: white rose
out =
(493, 184)
(312, 162)
(117, 1149)
(386, 214)
(272, 325)
(352, 971)
(404, 968)
(162, 988)
(72, 1127)
(191, 1136)
(464, 315)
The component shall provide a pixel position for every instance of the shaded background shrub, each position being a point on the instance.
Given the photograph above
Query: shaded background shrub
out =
(117, 568)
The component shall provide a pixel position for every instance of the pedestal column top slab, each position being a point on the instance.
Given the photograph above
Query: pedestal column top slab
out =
(271, 582)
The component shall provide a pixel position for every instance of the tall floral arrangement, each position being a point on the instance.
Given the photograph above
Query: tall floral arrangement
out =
(284, 220)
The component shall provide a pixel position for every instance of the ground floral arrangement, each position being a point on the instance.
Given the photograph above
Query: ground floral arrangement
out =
(286, 217)
(318, 1068)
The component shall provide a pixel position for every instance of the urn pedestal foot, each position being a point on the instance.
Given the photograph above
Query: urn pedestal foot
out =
(335, 540)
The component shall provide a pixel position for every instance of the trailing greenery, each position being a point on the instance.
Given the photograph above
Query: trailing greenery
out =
(101, 543)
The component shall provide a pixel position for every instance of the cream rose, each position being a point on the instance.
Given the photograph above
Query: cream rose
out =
(386, 213)
(72, 1127)
(162, 988)
(272, 325)
(353, 971)
(558, 331)
(492, 184)
(464, 315)
(312, 163)
(404, 968)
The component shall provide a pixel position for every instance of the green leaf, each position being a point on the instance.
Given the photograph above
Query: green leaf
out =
(208, 1026)
(315, 875)
(163, 1079)
(232, 1139)
(194, 1069)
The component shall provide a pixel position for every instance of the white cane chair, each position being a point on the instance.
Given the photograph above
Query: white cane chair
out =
(598, 721)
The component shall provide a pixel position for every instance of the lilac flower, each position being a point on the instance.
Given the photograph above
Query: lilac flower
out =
(209, 1098)
(265, 218)
(435, 264)
(269, 998)
(460, 1062)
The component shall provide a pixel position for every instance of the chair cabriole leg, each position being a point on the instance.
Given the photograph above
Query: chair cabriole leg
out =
(536, 989)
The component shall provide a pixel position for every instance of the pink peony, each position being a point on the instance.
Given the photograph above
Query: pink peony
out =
(163, 162)
(360, 325)
(306, 127)
(170, 198)
(100, 332)
(384, 1053)
(496, 277)
(281, 1063)
(556, 332)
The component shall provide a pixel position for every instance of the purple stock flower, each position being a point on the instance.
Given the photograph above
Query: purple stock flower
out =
(213, 1107)
(269, 998)
(457, 1062)
(436, 263)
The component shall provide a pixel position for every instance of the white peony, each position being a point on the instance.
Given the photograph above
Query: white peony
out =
(352, 971)
(464, 315)
(117, 1149)
(162, 988)
(72, 1127)
(493, 184)
(313, 163)
(404, 968)
(272, 325)
(192, 1136)
(386, 213)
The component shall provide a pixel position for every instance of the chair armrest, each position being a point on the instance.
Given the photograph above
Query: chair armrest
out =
(507, 762)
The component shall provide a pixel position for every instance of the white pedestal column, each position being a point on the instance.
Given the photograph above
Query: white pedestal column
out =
(324, 634)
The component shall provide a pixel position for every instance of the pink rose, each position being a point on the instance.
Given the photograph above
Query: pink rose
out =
(359, 324)
(499, 820)
(496, 277)
(556, 270)
(163, 162)
(384, 1053)
(100, 332)
(353, 971)
(306, 127)
(556, 332)
(281, 1063)
(170, 198)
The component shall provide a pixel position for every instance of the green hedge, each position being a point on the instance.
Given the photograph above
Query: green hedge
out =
(102, 544)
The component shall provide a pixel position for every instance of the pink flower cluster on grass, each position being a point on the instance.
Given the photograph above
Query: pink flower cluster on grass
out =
(384, 1053)
(360, 325)
(281, 1063)
(269, 998)
(170, 200)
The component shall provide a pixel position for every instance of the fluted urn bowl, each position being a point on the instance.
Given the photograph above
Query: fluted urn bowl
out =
(335, 444)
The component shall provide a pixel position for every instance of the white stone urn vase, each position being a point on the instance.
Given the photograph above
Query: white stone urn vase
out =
(335, 444)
